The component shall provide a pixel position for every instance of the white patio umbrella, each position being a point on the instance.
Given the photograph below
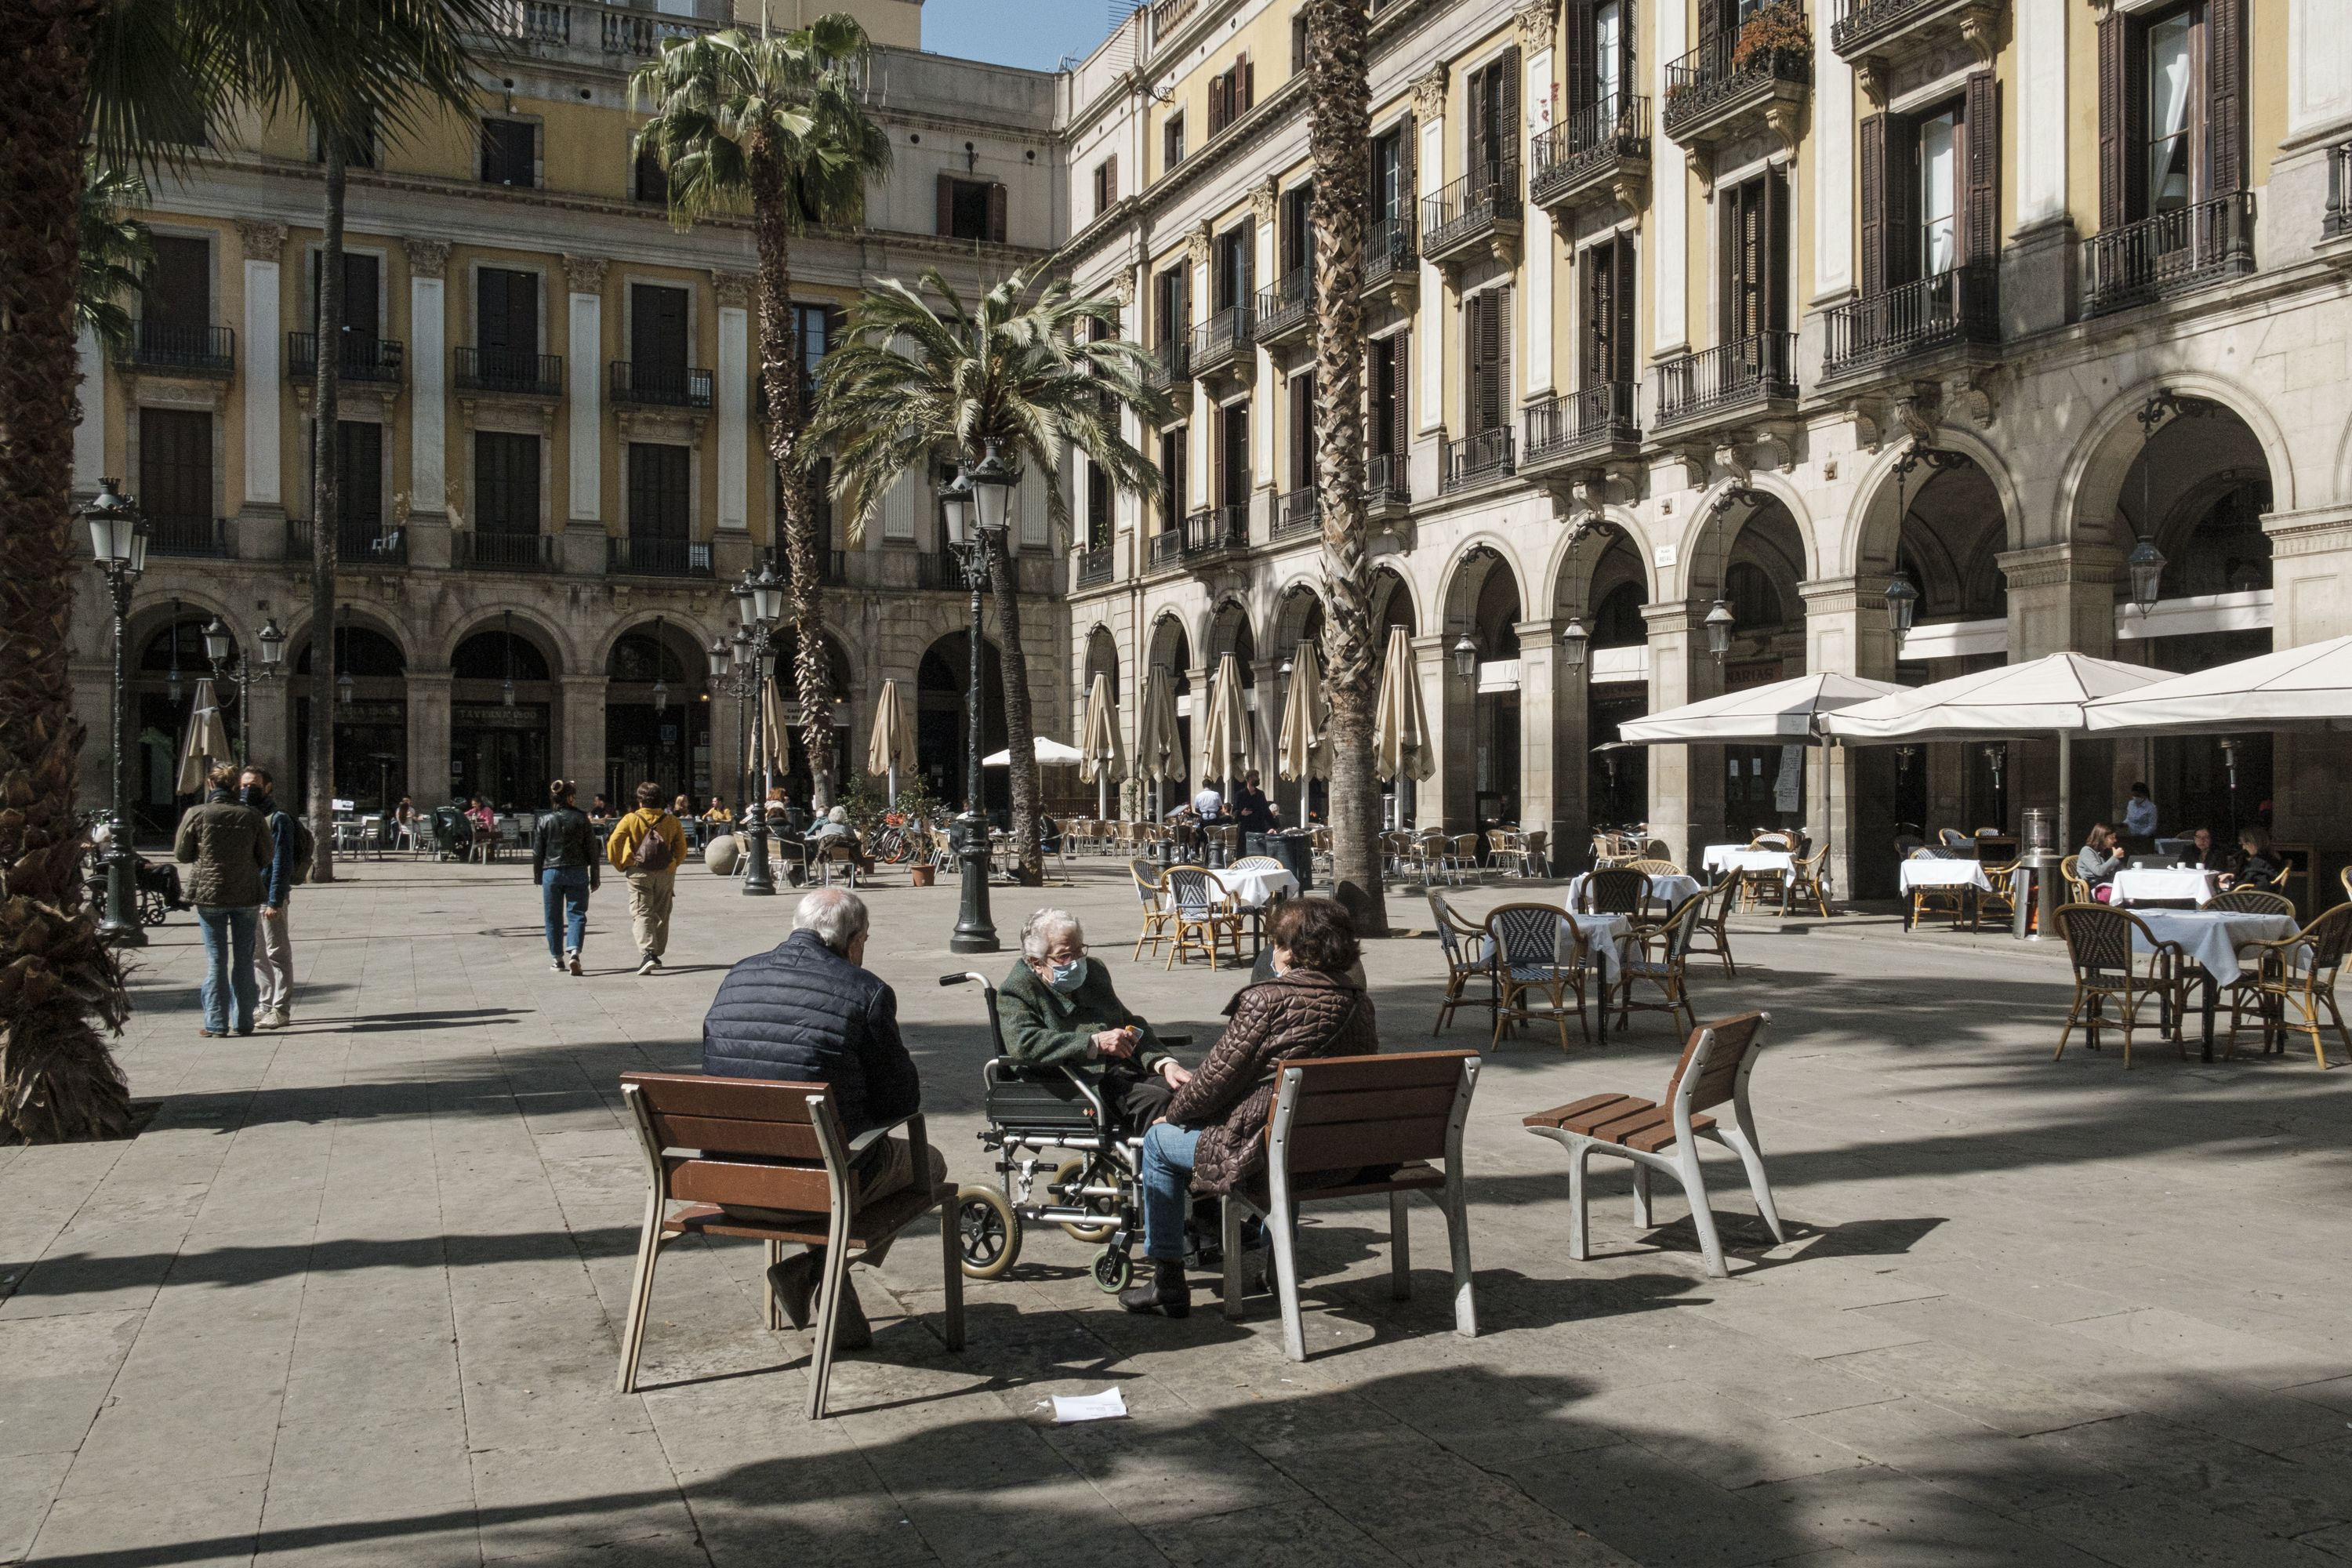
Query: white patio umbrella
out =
(1299, 751)
(1102, 752)
(1160, 744)
(892, 744)
(2044, 696)
(1401, 748)
(1050, 752)
(2306, 687)
(1226, 740)
(206, 742)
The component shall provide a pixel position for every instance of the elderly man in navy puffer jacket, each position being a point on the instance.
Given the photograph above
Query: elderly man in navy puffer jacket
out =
(808, 1012)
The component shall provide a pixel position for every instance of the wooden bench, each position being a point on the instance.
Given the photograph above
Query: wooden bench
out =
(1663, 1136)
(721, 1144)
(1338, 1116)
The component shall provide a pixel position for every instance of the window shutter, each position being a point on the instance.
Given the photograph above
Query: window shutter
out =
(1298, 42)
(1584, 64)
(1408, 187)
(2114, 140)
(1628, 297)
(1983, 205)
(1110, 179)
(1874, 206)
(1474, 359)
(996, 214)
(1776, 273)
(1507, 115)
(1216, 103)
(945, 213)
(2225, 75)
(1245, 85)
(1499, 318)
(1399, 382)
(1475, 144)
(1899, 203)
(1302, 431)
(1627, 81)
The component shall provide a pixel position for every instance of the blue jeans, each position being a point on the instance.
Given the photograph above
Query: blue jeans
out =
(1166, 1176)
(231, 993)
(563, 905)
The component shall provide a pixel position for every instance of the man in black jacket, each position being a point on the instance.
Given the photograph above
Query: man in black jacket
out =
(564, 863)
(808, 1012)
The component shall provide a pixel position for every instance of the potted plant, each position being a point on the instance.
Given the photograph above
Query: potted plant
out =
(1775, 32)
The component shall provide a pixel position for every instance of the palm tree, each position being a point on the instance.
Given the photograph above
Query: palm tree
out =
(1338, 132)
(116, 253)
(1020, 370)
(774, 121)
(143, 81)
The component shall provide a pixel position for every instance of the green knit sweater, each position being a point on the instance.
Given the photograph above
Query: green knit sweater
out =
(1048, 1027)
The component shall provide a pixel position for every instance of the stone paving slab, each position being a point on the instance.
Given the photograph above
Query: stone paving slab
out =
(352, 1298)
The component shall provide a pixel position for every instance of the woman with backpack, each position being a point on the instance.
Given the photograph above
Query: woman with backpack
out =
(645, 847)
(563, 864)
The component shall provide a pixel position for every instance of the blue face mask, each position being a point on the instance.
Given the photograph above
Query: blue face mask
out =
(1069, 976)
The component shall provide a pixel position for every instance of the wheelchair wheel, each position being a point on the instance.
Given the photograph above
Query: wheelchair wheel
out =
(987, 1232)
(1113, 1271)
(1093, 1171)
(152, 909)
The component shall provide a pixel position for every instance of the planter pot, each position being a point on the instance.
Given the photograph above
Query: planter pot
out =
(923, 876)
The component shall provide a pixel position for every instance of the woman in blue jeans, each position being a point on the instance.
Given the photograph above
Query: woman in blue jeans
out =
(1214, 1138)
(229, 845)
(563, 862)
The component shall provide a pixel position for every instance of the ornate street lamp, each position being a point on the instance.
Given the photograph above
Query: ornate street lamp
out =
(975, 503)
(345, 686)
(1574, 642)
(272, 648)
(1465, 657)
(1902, 607)
(2146, 564)
(759, 600)
(119, 544)
(172, 676)
(506, 645)
(1718, 624)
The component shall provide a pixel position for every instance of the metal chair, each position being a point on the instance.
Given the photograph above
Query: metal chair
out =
(1668, 970)
(1618, 890)
(1528, 939)
(1712, 924)
(1465, 965)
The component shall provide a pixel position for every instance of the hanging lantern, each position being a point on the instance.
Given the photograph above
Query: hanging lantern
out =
(1465, 657)
(272, 643)
(1718, 624)
(344, 685)
(1902, 605)
(506, 692)
(2146, 564)
(661, 696)
(1574, 641)
(172, 676)
(216, 643)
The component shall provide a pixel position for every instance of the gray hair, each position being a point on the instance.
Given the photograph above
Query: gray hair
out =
(836, 915)
(838, 813)
(1038, 931)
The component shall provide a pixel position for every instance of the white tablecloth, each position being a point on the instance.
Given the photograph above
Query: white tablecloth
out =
(1670, 891)
(2213, 938)
(1940, 873)
(1737, 858)
(1722, 856)
(1606, 937)
(1253, 886)
(2150, 886)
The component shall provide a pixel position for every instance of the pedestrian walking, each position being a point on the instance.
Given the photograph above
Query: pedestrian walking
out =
(228, 844)
(563, 863)
(291, 848)
(645, 847)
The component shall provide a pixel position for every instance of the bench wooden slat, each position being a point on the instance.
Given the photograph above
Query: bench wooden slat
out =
(718, 1136)
(1404, 1069)
(1561, 1115)
(1318, 1106)
(738, 1099)
(749, 1183)
(1340, 1146)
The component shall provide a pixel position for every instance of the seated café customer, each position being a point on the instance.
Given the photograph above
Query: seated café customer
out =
(808, 1011)
(1214, 1136)
(1058, 1008)
(2099, 860)
(2258, 863)
(2203, 853)
(717, 811)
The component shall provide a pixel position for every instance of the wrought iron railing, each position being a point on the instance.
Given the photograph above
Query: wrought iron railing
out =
(362, 359)
(1295, 513)
(2338, 219)
(1386, 480)
(1598, 416)
(1094, 565)
(1748, 370)
(489, 550)
(187, 535)
(1217, 527)
(1865, 21)
(2171, 253)
(1592, 138)
(1470, 206)
(510, 370)
(1286, 305)
(1216, 340)
(204, 351)
(359, 542)
(637, 557)
(1718, 73)
(1172, 363)
(1168, 545)
(1958, 306)
(1392, 246)
(660, 385)
(1476, 460)
(575, 26)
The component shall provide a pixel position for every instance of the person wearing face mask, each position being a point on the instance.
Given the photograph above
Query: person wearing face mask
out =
(274, 971)
(1058, 1008)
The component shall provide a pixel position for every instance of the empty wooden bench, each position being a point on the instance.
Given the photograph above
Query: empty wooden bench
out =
(1340, 1116)
(779, 1149)
(1664, 1135)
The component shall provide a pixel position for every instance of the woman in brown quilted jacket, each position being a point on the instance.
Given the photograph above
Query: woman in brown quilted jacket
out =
(1214, 1133)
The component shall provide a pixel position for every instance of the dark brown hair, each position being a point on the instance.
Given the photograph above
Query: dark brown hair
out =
(560, 791)
(1317, 932)
(258, 771)
(649, 794)
(223, 776)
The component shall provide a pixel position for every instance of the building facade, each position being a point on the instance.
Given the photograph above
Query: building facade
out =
(551, 442)
(1730, 303)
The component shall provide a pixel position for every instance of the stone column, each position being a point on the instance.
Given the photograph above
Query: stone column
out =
(733, 373)
(263, 511)
(2311, 560)
(269, 728)
(579, 737)
(1853, 793)
(1833, 148)
(1200, 447)
(1265, 212)
(1686, 782)
(2061, 597)
(1429, 332)
(1551, 736)
(428, 737)
(584, 386)
(1430, 803)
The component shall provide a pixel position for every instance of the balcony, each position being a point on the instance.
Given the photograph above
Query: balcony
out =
(1392, 259)
(1736, 84)
(2175, 252)
(1573, 429)
(1167, 548)
(510, 373)
(192, 536)
(1285, 312)
(1484, 459)
(376, 360)
(635, 557)
(1094, 565)
(1388, 490)
(581, 31)
(359, 542)
(658, 386)
(1171, 364)
(1600, 153)
(2338, 219)
(1868, 30)
(179, 350)
(1951, 310)
(1221, 346)
(1294, 514)
(1476, 215)
(491, 550)
(1749, 376)
(1217, 531)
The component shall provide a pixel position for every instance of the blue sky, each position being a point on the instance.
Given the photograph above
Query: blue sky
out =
(1033, 33)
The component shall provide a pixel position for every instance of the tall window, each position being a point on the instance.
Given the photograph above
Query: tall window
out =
(179, 294)
(1230, 270)
(2172, 108)
(1105, 184)
(657, 356)
(1295, 240)
(359, 474)
(506, 482)
(1233, 453)
(1610, 287)
(971, 209)
(1755, 268)
(1174, 305)
(506, 320)
(815, 324)
(2168, 70)
(1393, 174)
(1939, 193)
(1172, 140)
(1493, 104)
(1172, 476)
(1100, 521)
(1231, 93)
(658, 490)
(1389, 436)
(509, 152)
(1302, 430)
(1486, 338)
(1608, 59)
(648, 183)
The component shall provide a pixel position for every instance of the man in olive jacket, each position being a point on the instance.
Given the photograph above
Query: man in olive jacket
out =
(229, 844)
(1059, 1008)
(651, 868)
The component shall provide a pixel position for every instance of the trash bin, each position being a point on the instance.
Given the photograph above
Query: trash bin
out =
(1297, 853)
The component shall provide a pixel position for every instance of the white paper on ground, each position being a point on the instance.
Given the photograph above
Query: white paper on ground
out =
(1101, 1406)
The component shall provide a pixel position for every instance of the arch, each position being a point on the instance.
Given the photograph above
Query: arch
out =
(1702, 556)
(942, 718)
(2091, 483)
(1171, 646)
(362, 651)
(1392, 605)
(527, 624)
(1867, 544)
(698, 632)
(1102, 658)
(1598, 555)
(1298, 618)
(1465, 573)
(1230, 633)
(492, 652)
(658, 710)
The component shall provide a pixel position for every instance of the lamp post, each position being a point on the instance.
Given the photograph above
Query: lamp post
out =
(272, 648)
(2230, 744)
(760, 602)
(975, 502)
(119, 544)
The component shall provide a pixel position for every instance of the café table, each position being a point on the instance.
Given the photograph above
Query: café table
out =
(1723, 858)
(2212, 939)
(1253, 890)
(1671, 890)
(1942, 873)
(2177, 885)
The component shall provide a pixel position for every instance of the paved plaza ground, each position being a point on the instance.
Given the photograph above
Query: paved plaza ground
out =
(353, 1296)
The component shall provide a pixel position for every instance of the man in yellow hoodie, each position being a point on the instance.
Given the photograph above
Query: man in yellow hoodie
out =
(646, 846)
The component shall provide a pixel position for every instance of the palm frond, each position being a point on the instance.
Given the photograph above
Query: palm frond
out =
(116, 252)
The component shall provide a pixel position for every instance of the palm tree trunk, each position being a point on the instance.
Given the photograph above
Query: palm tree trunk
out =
(60, 990)
(779, 370)
(1338, 128)
(1003, 580)
(326, 515)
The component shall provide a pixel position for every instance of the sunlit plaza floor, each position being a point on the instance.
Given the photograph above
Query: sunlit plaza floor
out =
(353, 1295)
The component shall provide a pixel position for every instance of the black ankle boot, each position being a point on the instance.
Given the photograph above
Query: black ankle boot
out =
(1167, 1290)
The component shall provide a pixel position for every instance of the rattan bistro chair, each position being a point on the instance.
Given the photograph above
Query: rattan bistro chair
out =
(1528, 939)
(1711, 932)
(1808, 882)
(1155, 906)
(1202, 914)
(1619, 891)
(2300, 970)
(1466, 964)
(1663, 960)
(2251, 901)
(2106, 968)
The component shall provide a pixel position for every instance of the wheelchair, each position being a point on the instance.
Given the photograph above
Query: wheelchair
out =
(1063, 1157)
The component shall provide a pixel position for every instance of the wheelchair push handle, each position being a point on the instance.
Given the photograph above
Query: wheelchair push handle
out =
(972, 976)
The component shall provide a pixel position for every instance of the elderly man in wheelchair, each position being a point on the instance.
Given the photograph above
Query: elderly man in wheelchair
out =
(1059, 1008)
